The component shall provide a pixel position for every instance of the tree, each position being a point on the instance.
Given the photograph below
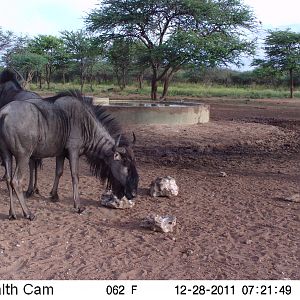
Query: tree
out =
(173, 32)
(120, 56)
(62, 60)
(282, 53)
(48, 46)
(27, 64)
(6, 39)
(83, 49)
(9, 44)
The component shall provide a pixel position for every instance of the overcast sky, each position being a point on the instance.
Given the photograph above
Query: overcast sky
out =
(277, 13)
(35, 17)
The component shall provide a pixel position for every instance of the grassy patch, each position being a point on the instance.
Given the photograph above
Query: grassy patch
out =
(177, 90)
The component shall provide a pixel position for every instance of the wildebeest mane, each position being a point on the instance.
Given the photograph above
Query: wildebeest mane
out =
(98, 167)
(69, 93)
(97, 111)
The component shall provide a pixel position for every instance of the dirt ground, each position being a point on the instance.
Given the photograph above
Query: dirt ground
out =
(233, 227)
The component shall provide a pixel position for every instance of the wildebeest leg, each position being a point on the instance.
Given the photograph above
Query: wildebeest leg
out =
(35, 187)
(18, 182)
(32, 174)
(58, 173)
(74, 162)
(8, 174)
(3, 178)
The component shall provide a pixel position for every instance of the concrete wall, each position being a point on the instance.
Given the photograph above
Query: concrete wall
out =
(178, 114)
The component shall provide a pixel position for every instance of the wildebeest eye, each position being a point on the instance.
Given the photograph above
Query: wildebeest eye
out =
(121, 150)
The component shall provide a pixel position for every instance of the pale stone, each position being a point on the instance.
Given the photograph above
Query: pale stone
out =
(159, 223)
(164, 187)
(108, 199)
(223, 174)
(293, 198)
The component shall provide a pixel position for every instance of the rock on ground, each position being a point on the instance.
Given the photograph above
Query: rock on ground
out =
(164, 187)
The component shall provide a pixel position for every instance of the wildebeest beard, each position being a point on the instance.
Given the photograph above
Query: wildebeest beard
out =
(101, 170)
(129, 190)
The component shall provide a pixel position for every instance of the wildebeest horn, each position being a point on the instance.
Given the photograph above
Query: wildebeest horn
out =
(134, 138)
(118, 141)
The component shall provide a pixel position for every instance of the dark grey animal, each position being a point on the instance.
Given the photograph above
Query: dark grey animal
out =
(98, 167)
(11, 90)
(63, 126)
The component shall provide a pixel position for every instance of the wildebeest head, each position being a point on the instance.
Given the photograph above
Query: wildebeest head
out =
(124, 179)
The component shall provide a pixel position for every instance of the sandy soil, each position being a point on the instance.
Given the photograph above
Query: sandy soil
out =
(233, 227)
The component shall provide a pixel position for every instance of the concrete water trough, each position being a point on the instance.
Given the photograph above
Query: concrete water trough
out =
(135, 112)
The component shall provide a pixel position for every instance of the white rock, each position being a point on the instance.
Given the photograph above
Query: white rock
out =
(222, 174)
(293, 198)
(108, 199)
(164, 187)
(159, 223)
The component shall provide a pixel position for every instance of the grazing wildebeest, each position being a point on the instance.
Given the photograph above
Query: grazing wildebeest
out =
(63, 126)
(11, 90)
(98, 167)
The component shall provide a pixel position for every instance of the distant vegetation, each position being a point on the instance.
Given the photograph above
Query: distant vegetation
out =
(158, 48)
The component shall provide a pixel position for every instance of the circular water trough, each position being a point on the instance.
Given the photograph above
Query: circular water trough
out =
(159, 113)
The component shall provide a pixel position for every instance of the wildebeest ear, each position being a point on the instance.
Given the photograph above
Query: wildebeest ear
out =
(117, 156)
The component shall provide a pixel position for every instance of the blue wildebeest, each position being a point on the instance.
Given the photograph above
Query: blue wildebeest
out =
(11, 90)
(98, 167)
(63, 126)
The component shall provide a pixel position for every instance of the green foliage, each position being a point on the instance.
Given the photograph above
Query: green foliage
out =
(84, 50)
(6, 39)
(175, 33)
(49, 47)
(120, 55)
(27, 64)
(282, 51)
(46, 45)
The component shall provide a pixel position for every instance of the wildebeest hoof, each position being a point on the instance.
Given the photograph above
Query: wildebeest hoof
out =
(28, 193)
(79, 210)
(12, 216)
(31, 192)
(30, 216)
(54, 198)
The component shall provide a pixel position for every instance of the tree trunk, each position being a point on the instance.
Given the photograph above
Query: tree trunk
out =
(64, 77)
(81, 75)
(154, 84)
(123, 78)
(140, 80)
(48, 75)
(154, 89)
(167, 80)
(40, 80)
(291, 83)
